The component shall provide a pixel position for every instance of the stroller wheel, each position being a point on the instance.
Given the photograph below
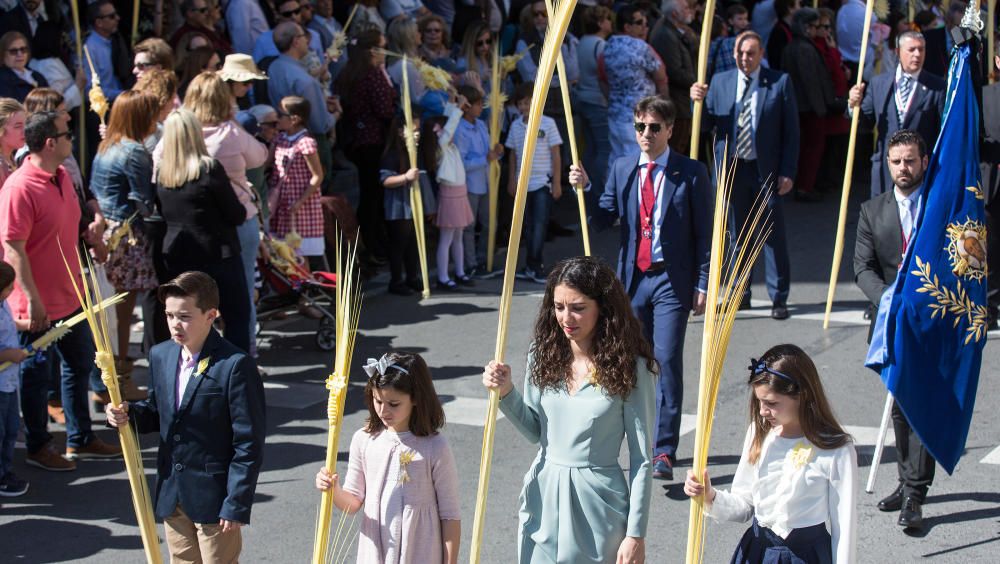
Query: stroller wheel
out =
(326, 337)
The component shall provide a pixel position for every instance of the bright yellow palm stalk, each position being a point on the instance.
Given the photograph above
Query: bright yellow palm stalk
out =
(90, 299)
(98, 102)
(135, 22)
(703, 44)
(63, 327)
(496, 103)
(571, 133)
(845, 194)
(348, 308)
(416, 200)
(546, 65)
(75, 11)
(729, 274)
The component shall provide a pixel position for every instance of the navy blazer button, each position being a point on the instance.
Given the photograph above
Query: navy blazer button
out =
(177, 438)
(178, 467)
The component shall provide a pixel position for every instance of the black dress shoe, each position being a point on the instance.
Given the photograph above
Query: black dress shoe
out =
(745, 303)
(893, 501)
(779, 311)
(911, 516)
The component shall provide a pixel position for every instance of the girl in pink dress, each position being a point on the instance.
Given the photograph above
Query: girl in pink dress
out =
(401, 470)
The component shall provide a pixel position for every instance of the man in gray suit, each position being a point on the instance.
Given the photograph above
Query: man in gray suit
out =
(885, 226)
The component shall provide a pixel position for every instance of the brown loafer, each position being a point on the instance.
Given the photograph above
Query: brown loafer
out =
(48, 459)
(96, 448)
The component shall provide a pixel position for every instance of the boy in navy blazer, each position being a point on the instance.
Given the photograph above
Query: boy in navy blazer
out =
(206, 399)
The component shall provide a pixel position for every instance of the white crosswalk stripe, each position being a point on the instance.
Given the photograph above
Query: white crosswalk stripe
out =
(993, 457)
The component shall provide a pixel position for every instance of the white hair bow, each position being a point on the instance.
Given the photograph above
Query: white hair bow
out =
(381, 365)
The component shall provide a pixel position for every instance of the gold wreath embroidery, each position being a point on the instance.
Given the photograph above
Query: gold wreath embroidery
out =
(977, 190)
(955, 302)
(405, 458)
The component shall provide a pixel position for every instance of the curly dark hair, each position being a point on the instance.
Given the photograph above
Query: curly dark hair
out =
(618, 340)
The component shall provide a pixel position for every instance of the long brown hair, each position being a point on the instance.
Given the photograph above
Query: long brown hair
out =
(618, 339)
(800, 380)
(359, 61)
(413, 380)
(133, 116)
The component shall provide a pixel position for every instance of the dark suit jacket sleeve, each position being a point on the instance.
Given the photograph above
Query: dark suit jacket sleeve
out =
(607, 206)
(145, 415)
(867, 271)
(790, 129)
(702, 203)
(868, 103)
(232, 210)
(246, 408)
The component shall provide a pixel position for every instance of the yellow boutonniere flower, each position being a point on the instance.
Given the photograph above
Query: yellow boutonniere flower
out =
(800, 455)
(405, 458)
(202, 366)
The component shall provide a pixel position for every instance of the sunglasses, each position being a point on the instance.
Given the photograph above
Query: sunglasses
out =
(200, 10)
(433, 30)
(144, 66)
(640, 127)
(291, 13)
(111, 16)
(18, 50)
(484, 42)
(824, 26)
(642, 23)
(67, 134)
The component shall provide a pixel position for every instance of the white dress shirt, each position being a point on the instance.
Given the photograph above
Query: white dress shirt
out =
(908, 206)
(185, 368)
(659, 179)
(795, 484)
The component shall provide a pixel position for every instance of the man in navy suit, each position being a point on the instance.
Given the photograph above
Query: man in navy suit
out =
(755, 120)
(664, 203)
(206, 399)
(906, 97)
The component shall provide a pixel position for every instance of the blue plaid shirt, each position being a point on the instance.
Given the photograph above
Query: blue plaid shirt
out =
(720, 55)
(8, 340)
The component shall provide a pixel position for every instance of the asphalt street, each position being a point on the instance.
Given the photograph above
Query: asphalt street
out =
(87, 516)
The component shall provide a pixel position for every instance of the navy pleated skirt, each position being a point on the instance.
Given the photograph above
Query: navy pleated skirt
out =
(807, 545)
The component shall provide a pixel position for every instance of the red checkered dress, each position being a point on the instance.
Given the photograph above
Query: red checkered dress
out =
(291, 176)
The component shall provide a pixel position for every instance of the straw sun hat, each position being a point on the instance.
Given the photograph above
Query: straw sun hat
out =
(240, 68)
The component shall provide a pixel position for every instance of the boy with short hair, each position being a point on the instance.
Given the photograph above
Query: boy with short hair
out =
(544, 183)
(10, 420)
(206, 400)
(473, 141)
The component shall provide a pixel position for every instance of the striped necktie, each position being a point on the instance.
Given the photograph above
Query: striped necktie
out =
(905, 88)
(744, 123)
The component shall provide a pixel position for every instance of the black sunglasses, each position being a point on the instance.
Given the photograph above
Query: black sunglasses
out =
(640, 23)
(112, 15)
(291, 13)
(67, 134)
(484, 42)
(144, 66)
(200, 10)
(18, 50)
(640, 127)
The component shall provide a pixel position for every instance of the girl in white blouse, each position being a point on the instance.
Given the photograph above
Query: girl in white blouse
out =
(797, 477)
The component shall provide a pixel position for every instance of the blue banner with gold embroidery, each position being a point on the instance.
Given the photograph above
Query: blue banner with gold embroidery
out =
(931, 326)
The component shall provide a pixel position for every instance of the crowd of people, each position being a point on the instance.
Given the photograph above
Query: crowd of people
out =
(232, 123)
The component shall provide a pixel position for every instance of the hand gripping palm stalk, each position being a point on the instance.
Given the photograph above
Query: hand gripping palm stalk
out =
(327, 548)
(89, 295)
(729, 274)
(416, 200)
(546, 65)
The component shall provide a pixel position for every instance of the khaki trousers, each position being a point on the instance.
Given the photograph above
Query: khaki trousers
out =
(195, 543)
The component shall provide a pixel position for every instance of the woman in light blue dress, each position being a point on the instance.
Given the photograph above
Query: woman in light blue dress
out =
(589, 386)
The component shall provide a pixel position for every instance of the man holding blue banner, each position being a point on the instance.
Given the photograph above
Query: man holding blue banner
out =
(885, 227)
(932, 321)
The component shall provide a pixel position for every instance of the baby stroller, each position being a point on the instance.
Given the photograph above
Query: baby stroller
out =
(286, 282)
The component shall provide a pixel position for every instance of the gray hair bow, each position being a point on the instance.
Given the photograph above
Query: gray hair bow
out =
(381, 365)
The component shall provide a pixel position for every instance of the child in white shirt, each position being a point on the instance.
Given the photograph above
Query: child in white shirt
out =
(797, 476)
